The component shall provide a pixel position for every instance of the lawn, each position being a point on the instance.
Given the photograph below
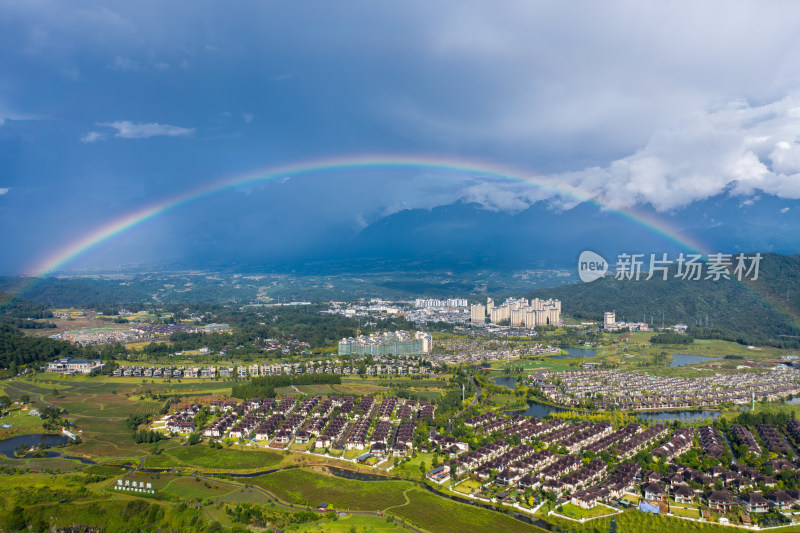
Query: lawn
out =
(245, 494)
(206, 458)
(401, 499)
(196, 489)
(22, 423)
(367, 524)
(467, 486)
(412, 466)
(304, 487)
(435, 513)
(688, 512)
(578, 513)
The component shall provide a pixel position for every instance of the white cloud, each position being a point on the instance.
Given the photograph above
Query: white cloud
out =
(9, 114)
(3, 190)
(784, 210)
(283, 76)
(496, 197)
(131, 130)
(248, 117)
(123, 64)
(93, 136)
(737, 149)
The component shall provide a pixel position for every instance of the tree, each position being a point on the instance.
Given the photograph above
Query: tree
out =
(25, 398)
(16, 520)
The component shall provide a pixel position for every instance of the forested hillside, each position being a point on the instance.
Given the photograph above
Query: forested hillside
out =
(767, 309)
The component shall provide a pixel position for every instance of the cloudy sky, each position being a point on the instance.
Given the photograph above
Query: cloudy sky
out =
(108, 107)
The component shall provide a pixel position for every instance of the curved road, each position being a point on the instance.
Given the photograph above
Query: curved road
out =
(276, 500)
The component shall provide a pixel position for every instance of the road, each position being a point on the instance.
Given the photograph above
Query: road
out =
(288, 506)
(477, 392)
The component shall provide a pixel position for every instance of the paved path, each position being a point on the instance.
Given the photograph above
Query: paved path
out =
(280, 503)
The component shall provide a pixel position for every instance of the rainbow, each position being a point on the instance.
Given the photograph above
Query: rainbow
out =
(478, 170)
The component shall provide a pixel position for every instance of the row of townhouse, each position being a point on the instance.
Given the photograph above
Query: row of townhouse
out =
(403, 438)
(772, 439)
(632, 446)
(563, 433)
(610, 440)
(267, 429)
(739, 479)
(387, 408)
(308, 405)
(245, 428)
(245, 371)
(379, 441)
(223, 406)
(357, 438)
(583, 477)
(586, 437)
(780, 500)
(682, 440)
(220, 426)
(793, 427)
(333, 432)
(742, 436)
(561, 467)
(470, 461)
(449, 445)
(711, 441)
(620, 482)
(532, 464)
(623, 390)
(510, 465)
(182, 421)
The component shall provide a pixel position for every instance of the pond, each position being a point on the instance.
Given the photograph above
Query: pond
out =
(690, 415)
(577, 353)
(8, 446)
(509, 382)
(682, 359)
(537, 409)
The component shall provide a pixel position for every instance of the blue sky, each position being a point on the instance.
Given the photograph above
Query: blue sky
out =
(109, 106)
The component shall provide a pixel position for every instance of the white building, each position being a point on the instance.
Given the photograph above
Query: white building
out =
(68, 365)
(477, 314)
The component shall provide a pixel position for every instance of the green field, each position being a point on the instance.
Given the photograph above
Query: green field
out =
(209, 459)
(636, 521)
(303, 487)
(196, 489)
(401, 499)
(435, 513)
(367, 524)
(573, 511)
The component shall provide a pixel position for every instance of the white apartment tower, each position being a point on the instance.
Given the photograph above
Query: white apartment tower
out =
(477, 313)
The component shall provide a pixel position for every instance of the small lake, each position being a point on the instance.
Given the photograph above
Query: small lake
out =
(668, 416)
(537, 409)
(577, 353)
(509, 382)
(8, 446)
(682, 359)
